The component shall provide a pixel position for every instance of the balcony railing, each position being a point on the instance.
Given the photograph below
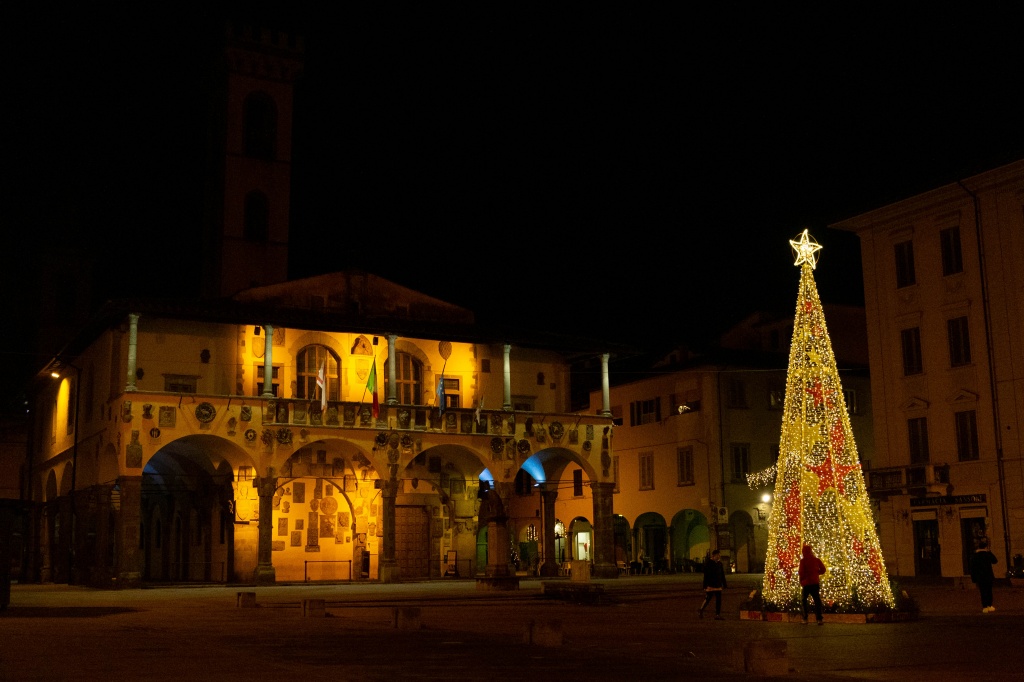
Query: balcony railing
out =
(901, 480)
(522, 431)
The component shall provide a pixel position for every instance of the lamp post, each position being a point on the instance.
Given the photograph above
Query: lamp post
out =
(56, 374)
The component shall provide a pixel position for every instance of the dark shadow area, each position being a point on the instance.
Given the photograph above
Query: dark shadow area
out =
(63, 611)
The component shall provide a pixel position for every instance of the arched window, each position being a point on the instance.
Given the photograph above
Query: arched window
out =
(257, 217)
(408, 375)
(260, 126)
(308, 365)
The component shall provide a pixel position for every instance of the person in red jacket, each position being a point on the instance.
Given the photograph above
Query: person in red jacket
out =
(811, 570)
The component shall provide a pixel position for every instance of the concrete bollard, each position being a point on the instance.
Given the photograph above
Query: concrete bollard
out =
(544, 633)
(246, 600)
(406, 617)
(766, 657)
(313, 608)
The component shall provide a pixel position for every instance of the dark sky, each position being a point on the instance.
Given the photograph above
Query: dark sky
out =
(601, 174)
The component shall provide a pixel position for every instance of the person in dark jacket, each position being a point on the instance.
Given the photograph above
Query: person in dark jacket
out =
(810, 571)
(982, 575)
(714, 583)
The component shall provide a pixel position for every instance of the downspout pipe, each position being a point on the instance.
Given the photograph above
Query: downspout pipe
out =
(993, 389)
(721, 459)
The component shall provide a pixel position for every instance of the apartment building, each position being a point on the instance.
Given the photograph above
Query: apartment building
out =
(944, 298)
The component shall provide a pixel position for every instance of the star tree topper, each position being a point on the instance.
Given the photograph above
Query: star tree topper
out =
(806, 250)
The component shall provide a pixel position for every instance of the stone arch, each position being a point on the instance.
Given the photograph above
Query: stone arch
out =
(652, 540)
(691, 539)
(294, 345)
(438, 510)
(51, 486)
(555, 460)
(622, 537)
(326, 511)
(67, 473)
(427, 380)
(747, 552)
(580, 536)
(189, 487)
(107, 470)
(403, 345)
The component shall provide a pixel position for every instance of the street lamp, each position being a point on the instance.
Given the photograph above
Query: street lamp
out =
(56, 374)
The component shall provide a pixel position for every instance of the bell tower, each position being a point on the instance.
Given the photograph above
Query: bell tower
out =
(249, 185)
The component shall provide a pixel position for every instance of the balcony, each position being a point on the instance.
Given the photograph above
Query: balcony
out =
(916, 479)
(279, 421)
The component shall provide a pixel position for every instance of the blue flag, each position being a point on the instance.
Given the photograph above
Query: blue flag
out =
(440, 394)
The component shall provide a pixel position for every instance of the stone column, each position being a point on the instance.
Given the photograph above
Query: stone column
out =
(133, 336)
(606, 410)
(497, 530)
(548, 567)
(66, 544)
(387, 568)
(35, 544)
(392, 371)
(497, 547)
(507, 405)
(604, 531)
(7, 514)
(45, 535)
(129, 562)
(101, 546)
(268, 362)
(670, 561)
(265, 488)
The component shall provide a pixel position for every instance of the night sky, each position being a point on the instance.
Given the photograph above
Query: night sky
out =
(619, 175)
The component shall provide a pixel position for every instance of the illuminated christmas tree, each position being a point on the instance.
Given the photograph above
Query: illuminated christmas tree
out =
(820, 496)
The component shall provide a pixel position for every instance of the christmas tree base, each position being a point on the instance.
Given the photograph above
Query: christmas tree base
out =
(837, 618)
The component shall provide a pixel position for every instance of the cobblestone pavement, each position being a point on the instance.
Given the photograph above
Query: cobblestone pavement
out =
(645, 628)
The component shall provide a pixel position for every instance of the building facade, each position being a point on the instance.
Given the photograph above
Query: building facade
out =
(186, 440)
(234, 441)
(944, 293)
(697, 437)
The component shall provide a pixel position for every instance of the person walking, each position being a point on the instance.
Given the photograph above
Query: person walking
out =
(714, 583)
(810, 571)
(982, 575)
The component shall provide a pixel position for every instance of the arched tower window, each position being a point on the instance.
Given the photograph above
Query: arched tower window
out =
(308, 365)
(260, 126)
(257, 217)
(408, 377)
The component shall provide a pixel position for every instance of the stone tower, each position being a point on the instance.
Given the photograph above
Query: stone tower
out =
(249, 186)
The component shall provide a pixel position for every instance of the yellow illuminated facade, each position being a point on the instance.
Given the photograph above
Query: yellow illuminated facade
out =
(944, 291)
(187, 449)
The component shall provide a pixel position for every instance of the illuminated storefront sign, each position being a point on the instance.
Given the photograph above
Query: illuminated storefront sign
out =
(947, 499)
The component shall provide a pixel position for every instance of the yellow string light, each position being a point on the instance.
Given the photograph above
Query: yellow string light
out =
(820, 495)
(762, 478)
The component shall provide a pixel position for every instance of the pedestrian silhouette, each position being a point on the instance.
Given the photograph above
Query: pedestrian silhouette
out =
(982, 575)
(714, 582)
